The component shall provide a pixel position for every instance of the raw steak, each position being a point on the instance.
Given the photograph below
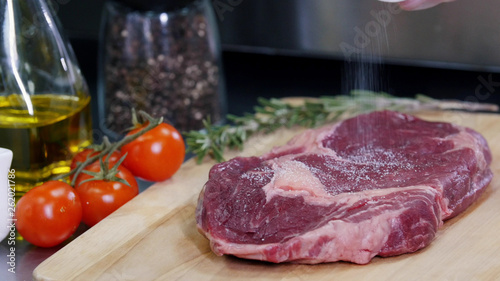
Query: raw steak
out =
(377, 184)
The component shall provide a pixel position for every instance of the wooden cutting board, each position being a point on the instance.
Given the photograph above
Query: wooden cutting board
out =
(154, 236)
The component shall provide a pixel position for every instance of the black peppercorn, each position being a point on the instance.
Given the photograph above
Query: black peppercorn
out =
(166, 63)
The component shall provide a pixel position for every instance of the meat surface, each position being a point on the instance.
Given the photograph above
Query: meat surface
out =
(377, 184)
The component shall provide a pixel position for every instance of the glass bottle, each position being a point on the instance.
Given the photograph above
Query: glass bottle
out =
(44, 100)
(163, 57)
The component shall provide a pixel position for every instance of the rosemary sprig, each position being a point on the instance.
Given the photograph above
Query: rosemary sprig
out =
(272, 114)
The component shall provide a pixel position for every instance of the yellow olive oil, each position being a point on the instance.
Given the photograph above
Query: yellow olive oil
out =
(43, 135)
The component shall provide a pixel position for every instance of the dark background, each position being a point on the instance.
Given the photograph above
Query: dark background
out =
(291, 48)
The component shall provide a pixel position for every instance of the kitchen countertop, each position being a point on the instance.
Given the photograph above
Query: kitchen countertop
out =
(250, 75)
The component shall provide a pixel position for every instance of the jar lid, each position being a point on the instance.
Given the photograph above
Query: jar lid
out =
(156, 5)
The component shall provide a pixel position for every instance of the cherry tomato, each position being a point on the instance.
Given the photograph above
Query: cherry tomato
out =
(156, 155)
(102, 197)
(48, 214)
(89, 152)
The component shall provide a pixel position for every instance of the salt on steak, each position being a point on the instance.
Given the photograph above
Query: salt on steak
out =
(377, 184)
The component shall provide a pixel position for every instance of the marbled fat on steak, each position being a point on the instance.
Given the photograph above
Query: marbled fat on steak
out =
(376, 184)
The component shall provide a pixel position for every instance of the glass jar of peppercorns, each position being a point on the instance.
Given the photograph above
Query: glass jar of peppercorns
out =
(163, 57)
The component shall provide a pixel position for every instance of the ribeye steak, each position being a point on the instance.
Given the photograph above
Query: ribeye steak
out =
(377, 184)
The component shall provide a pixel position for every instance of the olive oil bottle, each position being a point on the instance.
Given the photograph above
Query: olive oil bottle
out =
(44, 100)
(45, 142)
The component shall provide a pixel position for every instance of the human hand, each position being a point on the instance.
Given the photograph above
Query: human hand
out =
(413, 5)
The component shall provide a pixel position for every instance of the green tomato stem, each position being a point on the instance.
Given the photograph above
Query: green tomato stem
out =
(109, 147)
